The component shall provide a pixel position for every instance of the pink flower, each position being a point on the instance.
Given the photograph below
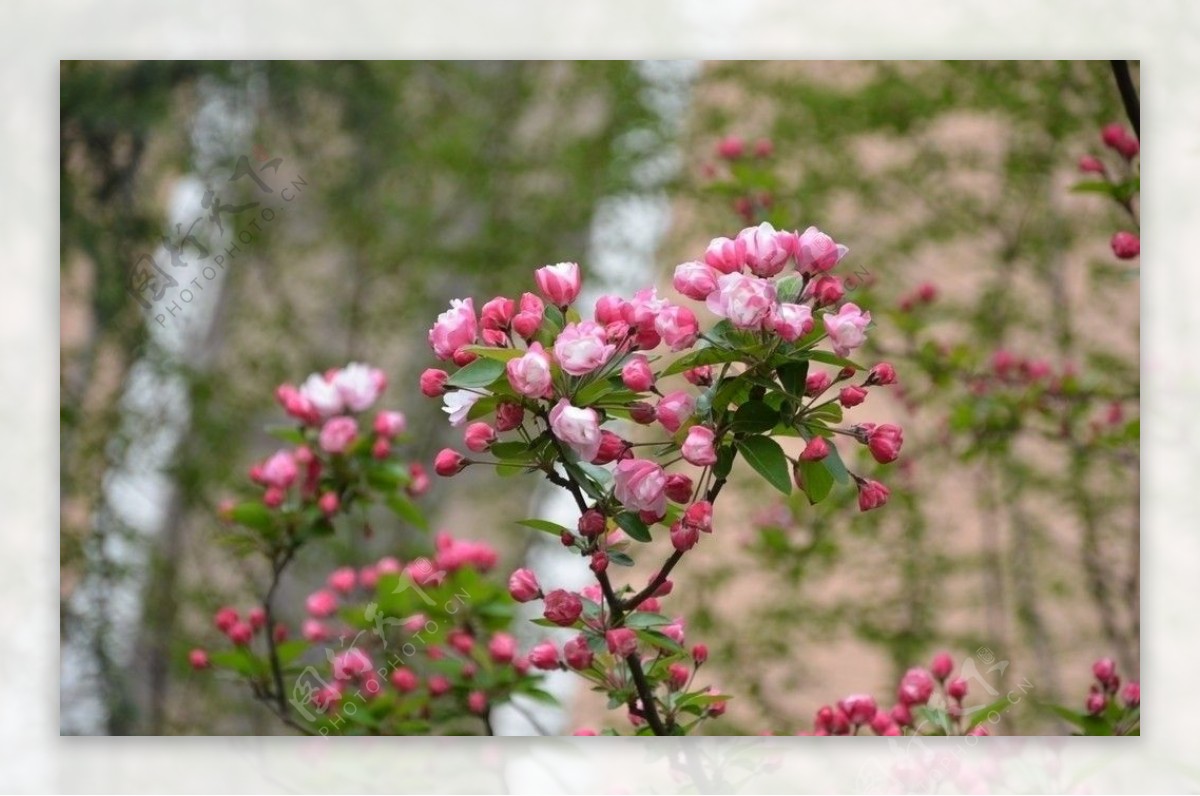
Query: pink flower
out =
(321, 604)
(241, 634)
(342, 579)
(684, 536)
(882, 374)
(313, 631)
(529, 374)
(859, 708)
(852, 396)
(350, 664)
(1090, 164)
(337, 434)
(418, 483)
(559, 283)
(611, 448)
(390, 424)
(678, 327)
(698, 447)
(610, 309)
(449, 462)
(1118, 138)
(871, 495)
(956, 689)
(509, 415)
(674, 631)
(746, 301)
(296, 404)
(884, 442)
(433, 382)
(791, 321)
(502, 648)
(942, 666)
(582, 347)
(544, 656)
(767, 250)
(916, 686)
(1104, 669)
(636, 374)
(523, 586)
(700, 654)
(320, 393)
(725, 255)
(563, 607)
(1131, 694)
(198, 659)
(826, 290)
(1096, 703)
(579, 428)
(479, 437)
(678, 488)
(817, 252)
(677, 676)
(497, 314)
(527, 322)
(404, 680)
(817, 383)
(699, 515)
(1126, 245)
(639, 485)
(816, 450)
(477, 702)
(695, 280)
(621, 642)
(438, 684)
(674, 409)
(701, 375)
(731, 147)
(359, 385)
(279, 471)
(455, 328)
(577, 653)
(847, 329)
(643, 308)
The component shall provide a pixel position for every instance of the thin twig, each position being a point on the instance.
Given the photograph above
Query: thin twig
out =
(1129, 95)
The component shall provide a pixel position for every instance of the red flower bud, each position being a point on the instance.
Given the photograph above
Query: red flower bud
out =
(699, 654)
(198, 659)
(881, 375)
(621, 641)
(684, 536)
(642, 413)
(563, 607)
(942, 666)
(816, 450)
(956, 689)
(479, 437)
(433, 382)
(871, 495)
(449, 462)
(852, 396)
(1126, 245)
(509, 416)
(592, 523)
(523, 586)
(678, 488)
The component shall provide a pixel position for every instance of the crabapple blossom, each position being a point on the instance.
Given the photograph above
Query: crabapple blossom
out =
(562, 607)
(791, 321)
(457, 404)
(726, 255)
(523, 586)
(359, 385)
(621, 641)
(846, 328)
(529, 374)
(579, 428)
(817, 252)
(767, 250)
(559, 283)
(582, 347)
(678, 327)
(338, 433)
(479, 437)
(636, 374)
(674, 409)
(698, 447)
(449, 462)
(433, 382)
(454, 329)
(695, 280)
(745, 300)
(639, 485)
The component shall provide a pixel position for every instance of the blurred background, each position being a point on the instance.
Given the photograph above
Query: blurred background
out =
(229, 226)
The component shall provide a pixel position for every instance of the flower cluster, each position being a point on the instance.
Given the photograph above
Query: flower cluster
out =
(1121, 183)
(542, 389)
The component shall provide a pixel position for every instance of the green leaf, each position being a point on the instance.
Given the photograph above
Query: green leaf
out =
(643, 619)
(935, 716)
(632, 524)
(290, 434)
(755, 417)
(830, 358)
(515, 450)
(980, 714)
(817, 480)
(289, 651)
(620, 559)
(552, 528)
(787, 289)
(794, 377)
(725, 456)
(499, 354)
(479, 373)
(406, 510)
(705, 356)
(253, 514)
(836, 467)
(656, 639)
(766, 457)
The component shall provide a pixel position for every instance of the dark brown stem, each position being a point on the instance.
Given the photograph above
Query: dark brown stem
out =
(280, 696)
(1129, 95)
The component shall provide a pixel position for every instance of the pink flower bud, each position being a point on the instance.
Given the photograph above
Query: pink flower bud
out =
(342, 580)
(698, 447)
(529, 374)
(701, 376)
(611, 448)
(636, 374)
(678, 488)
(674, 409)
(563, 607)
(454, 329)
(731, 147)
(314, 631)
(497, 313)
(726, 255)
(677, 676)
(881, 722)
(859, 708)
(198, 659)
(390, 424)
(699, 654)
(477, 702)
(438, 684)
(609, 310)
(852, 396)
(1116, 137)
(817, 383)
(523, 586)
(337, 434)
(321, 603)
(329, 503)
(1104, 669)
(509, 416)
(479, 437)
(650, 605)
(942, 666)
(882, 375)
(257, 617)
(599, 562)
(846, 328)
(763, 148)
(901, 715)
(404, 680)
(381, 449)
(956, 689)
(502, 648)
(449, 462)
(1131, 694)
(584, 731)
(678, 327)
(790, 321)
(716, 709)
(695, 280)
(827, 290)
(577, 653)
(418, 480)
(746, 301)
(225, 618)
(1090, 164)
(559, 283)
(817, 252)
(674, 631)
(621, 642)
(544, 656)
(592, 523)
(1096, 703)
(884, 442)
(582, 348)
(684, 536)
(767, 250)
(699, 515)
(642, 413)
(871, 495)
(241, 634)
(579, 428)
(273, 497)
(915, 687)
(1126, 245)
(278, 471)
(639, 485)
(816, 450)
